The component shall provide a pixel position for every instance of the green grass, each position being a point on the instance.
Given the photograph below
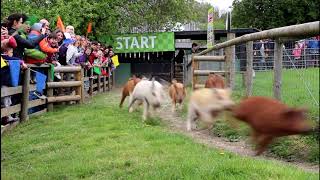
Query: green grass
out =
(295, 94)
(295, 85)
(99, 141)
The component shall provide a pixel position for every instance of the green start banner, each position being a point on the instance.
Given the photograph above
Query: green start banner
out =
(145, 42)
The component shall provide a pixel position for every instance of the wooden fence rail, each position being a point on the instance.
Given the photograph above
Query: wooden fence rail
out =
(98, 83)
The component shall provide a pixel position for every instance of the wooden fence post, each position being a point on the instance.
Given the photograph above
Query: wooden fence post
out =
(80, 89)
(278, 55)
(113, 79)
(230, 62)
(109, 79)
(98, 83)
(104, 81)
(195, 65)
(25, 95)
(249, 81)
(49, 90)
(91, 82)
(82, 86)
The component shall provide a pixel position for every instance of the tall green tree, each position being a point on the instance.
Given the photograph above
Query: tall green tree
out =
(267, 14)
(108, 16)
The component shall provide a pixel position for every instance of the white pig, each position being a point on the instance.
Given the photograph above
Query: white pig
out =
(151, 93)
(206, 103)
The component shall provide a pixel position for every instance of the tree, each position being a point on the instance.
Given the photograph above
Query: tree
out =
(108, 16)
(268, 14)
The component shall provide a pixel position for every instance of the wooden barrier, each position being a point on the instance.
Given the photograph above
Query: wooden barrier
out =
(97, 84)
(197, 72)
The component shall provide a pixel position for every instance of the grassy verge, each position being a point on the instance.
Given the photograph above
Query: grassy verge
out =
(99, 141)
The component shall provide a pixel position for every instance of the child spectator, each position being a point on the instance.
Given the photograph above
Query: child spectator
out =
(296, 52)
(35, 31)
(49, 45)
(73, 53)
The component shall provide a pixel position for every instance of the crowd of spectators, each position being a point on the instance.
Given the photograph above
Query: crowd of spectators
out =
(37, 44)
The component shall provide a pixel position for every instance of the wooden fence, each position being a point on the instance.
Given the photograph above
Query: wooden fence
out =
(279, 34)
(77, 79)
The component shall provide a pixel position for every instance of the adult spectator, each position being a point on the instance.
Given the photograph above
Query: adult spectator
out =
(14, 23)
(45, 23)
(60, 36)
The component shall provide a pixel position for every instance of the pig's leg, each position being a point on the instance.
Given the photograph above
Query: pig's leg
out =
(145, 109)
(131, 104)
(207, 119)
(173, 109)
(192, 116)
(254, 136)
(263, 142)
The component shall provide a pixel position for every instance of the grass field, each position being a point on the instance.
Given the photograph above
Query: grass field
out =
(300, 87)
(294, 93)
(99, 141)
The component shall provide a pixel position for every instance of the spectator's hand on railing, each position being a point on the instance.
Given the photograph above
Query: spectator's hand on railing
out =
(24, 66)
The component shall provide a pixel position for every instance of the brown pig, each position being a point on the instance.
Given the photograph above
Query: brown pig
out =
(128, 88)
(215, 81)
(177, 93)
(269, 119)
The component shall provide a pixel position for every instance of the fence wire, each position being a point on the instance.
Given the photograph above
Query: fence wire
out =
(300, 72)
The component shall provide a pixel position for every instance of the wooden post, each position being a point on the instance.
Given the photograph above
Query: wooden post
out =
(193, 76)
(25, 95)
(249, 81)
(109, 81)
(104, 82)
(82, 86)
(173, 69)
(78, 77)
(99, 83)
(278, 56)
(91, 82)
(113, 79)
(49, 91)
(230, 62)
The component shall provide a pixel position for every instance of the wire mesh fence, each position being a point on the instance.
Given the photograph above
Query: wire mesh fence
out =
(300, 72)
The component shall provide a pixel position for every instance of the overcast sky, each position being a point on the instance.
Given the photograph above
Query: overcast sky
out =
(222, 4)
